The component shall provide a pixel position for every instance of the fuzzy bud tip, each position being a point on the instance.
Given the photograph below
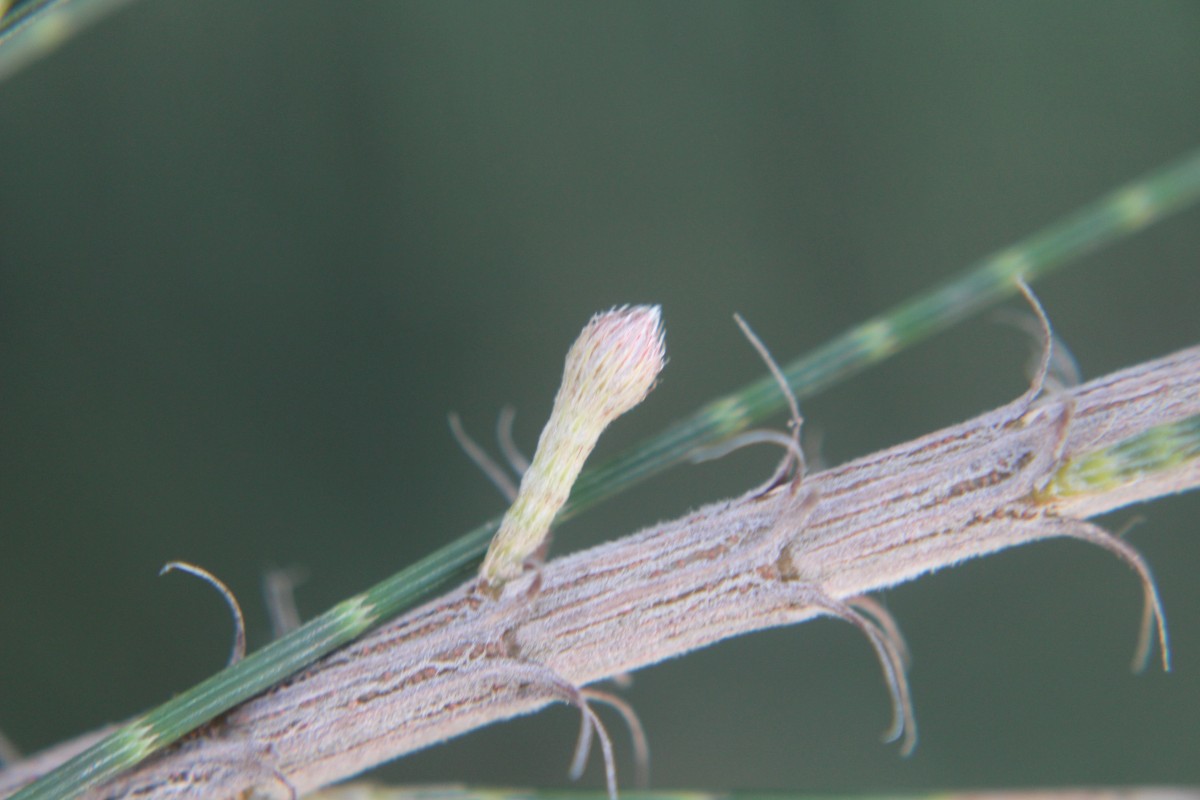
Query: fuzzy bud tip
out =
(610, 369)
(615, 361)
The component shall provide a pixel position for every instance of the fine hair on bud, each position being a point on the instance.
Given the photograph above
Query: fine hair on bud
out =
(610, 368)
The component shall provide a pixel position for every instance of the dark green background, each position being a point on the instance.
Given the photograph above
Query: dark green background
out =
(252, 253)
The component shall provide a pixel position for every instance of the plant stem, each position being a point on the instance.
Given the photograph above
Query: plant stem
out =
(1112, 217)
(810, 546)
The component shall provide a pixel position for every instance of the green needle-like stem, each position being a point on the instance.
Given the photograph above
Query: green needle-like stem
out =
(1114, 216)
(38, 27)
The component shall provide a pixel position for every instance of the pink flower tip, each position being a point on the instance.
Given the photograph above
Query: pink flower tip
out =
(616, 360)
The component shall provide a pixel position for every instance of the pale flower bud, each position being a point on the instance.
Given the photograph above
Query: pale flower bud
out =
(610, 369)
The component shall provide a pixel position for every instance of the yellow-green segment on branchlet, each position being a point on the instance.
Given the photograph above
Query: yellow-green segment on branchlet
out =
(1156, 450)
(1112, 217)
(37, 27)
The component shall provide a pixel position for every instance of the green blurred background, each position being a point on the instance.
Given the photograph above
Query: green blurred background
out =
(252, 253)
